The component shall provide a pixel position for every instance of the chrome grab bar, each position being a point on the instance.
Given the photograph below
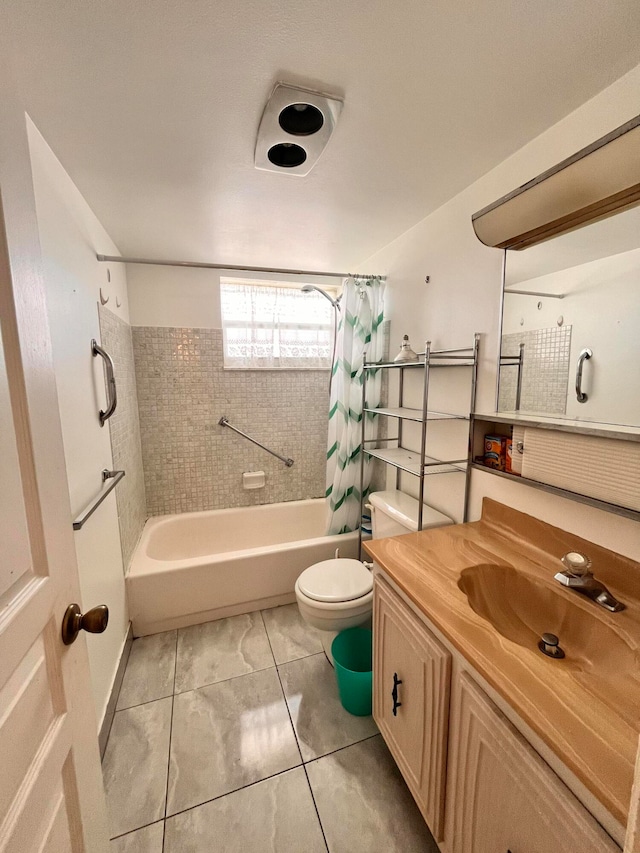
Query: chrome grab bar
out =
(115, 477)
(112, 394)
(580, 395)
(225, 423)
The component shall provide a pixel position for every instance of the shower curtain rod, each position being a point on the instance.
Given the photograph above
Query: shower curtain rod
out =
(117, 259)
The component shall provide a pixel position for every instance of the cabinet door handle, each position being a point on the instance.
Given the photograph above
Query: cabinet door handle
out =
(394, 694)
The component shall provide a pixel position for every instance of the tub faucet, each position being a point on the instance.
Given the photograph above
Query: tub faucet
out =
(577, 576)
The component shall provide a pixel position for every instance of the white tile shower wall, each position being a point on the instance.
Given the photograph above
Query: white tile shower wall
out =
(545, 372)
(190, 462)
(124, 429)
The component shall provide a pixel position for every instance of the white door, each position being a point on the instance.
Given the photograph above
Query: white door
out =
(51, 795)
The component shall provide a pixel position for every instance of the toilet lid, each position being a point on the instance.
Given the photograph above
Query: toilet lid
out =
(341, 579)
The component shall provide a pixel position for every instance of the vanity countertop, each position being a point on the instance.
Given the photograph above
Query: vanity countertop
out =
(591, 723)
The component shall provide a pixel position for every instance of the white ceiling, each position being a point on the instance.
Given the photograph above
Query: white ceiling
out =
(153, 106)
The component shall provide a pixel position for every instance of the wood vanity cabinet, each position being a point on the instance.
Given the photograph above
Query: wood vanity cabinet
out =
(501, 796)
(446, 733)
(412, 675)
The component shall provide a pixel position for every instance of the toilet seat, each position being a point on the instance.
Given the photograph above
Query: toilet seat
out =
(335, 595)
(335, 581)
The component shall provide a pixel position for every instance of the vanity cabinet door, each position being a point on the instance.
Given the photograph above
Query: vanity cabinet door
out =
(501, 795)
(412, 674)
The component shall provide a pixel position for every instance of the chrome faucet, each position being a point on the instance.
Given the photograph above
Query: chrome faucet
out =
(577, 576)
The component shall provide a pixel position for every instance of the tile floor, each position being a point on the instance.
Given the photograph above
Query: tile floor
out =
(230, 736)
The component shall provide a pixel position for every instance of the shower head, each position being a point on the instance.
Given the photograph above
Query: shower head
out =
(308, 288)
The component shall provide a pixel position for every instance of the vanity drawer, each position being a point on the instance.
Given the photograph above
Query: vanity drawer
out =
(412, 675)
(501, 796)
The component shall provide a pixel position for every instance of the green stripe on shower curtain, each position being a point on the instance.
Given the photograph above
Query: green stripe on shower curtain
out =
(359, 330)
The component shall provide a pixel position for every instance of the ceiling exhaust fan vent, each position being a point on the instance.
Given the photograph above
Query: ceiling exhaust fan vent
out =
(295, 128)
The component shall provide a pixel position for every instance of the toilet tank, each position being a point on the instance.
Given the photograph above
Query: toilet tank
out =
(394, 513)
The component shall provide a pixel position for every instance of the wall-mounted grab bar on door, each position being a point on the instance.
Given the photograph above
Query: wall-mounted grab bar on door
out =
(112, 394)
(580, 394)
(225, 423)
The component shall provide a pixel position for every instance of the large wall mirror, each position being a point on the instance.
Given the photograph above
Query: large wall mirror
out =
(570, 344)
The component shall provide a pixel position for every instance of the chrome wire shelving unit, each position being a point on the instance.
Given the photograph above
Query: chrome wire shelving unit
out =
(418, 462)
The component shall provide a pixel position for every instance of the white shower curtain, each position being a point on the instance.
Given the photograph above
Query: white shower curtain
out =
(359, 331)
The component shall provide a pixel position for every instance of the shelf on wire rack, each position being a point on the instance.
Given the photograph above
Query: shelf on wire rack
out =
(441, 361)
(407, 414)
(409, 461)
(385, 364)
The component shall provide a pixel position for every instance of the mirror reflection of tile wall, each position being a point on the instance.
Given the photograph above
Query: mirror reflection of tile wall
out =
(588, 281)
(545, 372)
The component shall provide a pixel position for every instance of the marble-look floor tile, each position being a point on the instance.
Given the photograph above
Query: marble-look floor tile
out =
(147, 840)
(321, 723)
(290, 636)
(228, 735)
(364, 804)
(135, 766)
(222, 649)
(150, 670)
(274, 816)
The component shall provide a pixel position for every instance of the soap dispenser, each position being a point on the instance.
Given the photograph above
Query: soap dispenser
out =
(406, 353)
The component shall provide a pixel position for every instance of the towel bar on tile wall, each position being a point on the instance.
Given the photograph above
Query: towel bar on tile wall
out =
(225, 423)
(114, 477)
(112, 394)
(515, 361)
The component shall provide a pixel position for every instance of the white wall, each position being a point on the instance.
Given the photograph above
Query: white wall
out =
(174, 296)
(70, 237)
(187, 296)
(463, 296)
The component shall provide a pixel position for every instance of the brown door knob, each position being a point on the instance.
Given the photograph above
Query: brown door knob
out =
(94, 621)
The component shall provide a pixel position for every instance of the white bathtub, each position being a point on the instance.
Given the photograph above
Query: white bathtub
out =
(198, 566)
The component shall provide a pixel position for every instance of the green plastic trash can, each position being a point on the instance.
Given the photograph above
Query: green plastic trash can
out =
(352, 656)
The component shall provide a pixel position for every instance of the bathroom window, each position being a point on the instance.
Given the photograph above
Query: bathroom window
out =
(275, 325)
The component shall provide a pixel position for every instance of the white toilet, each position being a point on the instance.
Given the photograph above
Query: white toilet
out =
(338, 594)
